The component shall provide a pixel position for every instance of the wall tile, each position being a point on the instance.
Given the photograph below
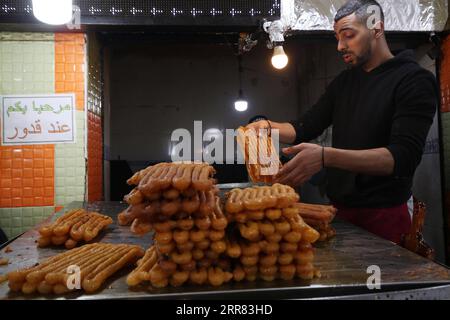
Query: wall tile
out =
(95, 134)
(15, 221)
(69, 159)
(31, 176)
(23, 59)
(69, 70)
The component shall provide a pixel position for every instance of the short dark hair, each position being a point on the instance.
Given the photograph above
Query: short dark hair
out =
(359, 7)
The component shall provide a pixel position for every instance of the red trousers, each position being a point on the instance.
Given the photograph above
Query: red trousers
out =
(387, 223)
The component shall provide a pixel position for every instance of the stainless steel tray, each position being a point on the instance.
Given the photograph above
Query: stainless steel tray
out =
(343, 262)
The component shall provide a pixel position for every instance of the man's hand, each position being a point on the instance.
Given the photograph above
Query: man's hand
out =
(306, 163)
(259, 125)
(286, 131)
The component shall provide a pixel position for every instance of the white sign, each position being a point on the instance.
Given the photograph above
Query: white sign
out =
(38, 119)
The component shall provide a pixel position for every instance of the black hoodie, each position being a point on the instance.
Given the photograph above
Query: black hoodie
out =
(393, 107)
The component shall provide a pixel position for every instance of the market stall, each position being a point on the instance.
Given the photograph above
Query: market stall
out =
(89, 112)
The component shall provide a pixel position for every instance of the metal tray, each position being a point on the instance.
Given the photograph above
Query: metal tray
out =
(343, 262)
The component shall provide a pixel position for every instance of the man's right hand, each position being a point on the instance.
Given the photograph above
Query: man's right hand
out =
(259, 125)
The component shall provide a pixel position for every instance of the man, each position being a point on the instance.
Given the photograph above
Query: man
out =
(381, 110)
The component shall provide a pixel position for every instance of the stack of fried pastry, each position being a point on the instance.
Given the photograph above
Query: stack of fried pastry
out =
(93, 263)
(268, 238)
(161, 272)
(179, 202)
(319, 217)
(261, 157)
(72, 227)
(164, 190)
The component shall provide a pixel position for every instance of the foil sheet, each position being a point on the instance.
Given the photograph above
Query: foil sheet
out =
(400, 15)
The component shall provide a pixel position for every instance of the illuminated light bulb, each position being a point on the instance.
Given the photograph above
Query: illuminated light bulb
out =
(241, 105)
(55, 12)
(279, 58)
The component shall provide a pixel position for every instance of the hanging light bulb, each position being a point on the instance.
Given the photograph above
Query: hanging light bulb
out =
(241, 104)
(279, 58)
(53, 12)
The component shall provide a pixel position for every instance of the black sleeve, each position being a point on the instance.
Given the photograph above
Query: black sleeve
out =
(319, 117)
(416, 102)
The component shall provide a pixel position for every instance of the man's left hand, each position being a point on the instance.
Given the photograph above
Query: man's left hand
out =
(306, 163)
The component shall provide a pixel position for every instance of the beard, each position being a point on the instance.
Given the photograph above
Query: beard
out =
(361, 58)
